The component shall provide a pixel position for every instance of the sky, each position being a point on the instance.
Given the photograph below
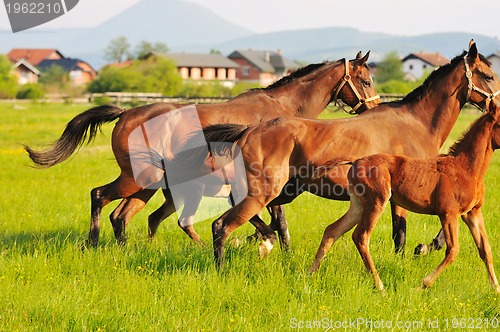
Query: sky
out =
(400, 17)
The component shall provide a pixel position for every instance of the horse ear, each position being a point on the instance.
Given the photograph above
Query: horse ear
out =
(365, 58)
(359, 55)
(473, 53)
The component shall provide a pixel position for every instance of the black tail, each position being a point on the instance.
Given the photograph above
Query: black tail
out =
(229, 133)
(83, 127)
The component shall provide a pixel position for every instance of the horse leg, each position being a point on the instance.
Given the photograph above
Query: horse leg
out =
(449, 223)
(229, 221)
(361, 235)
(278, 223)
(334, 231)
(267, 233)
(398, 227)
(162, 213)
(437, 243)
(128, 207)
(186, 219)
(101, 196)
(475, 222)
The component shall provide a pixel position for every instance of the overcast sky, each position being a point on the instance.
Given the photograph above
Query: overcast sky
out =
(402, 17)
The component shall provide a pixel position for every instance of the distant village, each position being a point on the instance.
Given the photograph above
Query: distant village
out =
(262, 67)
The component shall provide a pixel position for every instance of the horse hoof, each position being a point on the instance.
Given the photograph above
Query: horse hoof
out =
(421, 250)
(234, 242)
(265, 248)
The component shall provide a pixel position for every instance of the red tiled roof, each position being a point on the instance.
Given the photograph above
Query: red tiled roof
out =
(434, 59)
(32, 55)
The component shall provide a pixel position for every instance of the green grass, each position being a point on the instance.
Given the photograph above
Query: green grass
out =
(48, 283)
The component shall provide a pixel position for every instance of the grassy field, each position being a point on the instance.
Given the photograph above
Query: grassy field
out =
(170, 284)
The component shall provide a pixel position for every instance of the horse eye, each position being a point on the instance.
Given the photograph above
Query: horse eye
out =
(489, 78)
(367, 83)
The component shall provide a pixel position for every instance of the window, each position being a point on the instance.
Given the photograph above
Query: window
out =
(245, 71)
(424, 66)
(411, 67)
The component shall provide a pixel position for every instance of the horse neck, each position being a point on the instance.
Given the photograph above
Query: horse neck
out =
(309, 95)
(475, 149)
(440, 105)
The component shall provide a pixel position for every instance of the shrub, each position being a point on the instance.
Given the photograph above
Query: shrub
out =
(30, 91)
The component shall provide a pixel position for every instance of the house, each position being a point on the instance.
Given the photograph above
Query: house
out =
(495, 62)
(264, 67)
(80, 72)
(203, 67)
(34, 55)
(415, 65)
(26, 72)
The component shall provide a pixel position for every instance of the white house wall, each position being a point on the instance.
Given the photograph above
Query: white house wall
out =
(416, 67)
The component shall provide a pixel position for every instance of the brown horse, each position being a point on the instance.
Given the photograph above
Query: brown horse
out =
(290, 149)
(304, 93)
(449, 186)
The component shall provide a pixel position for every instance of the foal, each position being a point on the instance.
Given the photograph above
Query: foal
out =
(448, 186)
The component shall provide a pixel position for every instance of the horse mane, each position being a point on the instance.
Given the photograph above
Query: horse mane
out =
(301, 72)
(464, 140)
(425, 87)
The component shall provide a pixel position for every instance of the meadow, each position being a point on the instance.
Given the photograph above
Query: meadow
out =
(170, 284)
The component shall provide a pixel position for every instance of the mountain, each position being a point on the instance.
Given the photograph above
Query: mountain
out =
(314, 45)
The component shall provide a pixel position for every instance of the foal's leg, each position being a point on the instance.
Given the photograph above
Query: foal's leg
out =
(398, 227)
(475, 222)
(361, 235)
(449, 223)
(334, 231)
(124, 212)
(101, 196)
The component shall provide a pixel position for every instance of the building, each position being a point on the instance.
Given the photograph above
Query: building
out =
(203, 67)
(416, 65)
(264, 67)
(80, 72)
(26, 72)
(34, 55)
(495, 62)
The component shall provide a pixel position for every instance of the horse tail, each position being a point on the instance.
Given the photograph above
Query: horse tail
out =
(230, 133)
(82, 127)
(329, 165)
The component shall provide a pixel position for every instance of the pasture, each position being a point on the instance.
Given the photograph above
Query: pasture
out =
(48, 283)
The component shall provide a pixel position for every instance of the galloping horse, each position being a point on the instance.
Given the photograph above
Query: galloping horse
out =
(304, 93)
(290, 149)
(449, 186)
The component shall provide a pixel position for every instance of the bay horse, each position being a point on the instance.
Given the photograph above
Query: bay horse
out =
(287, 150)
(449, 186)
(304, 93)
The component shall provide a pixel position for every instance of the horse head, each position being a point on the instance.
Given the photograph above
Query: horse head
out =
(359, 90)
(483, 84)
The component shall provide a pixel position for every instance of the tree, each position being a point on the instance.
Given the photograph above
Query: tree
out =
(145, 47)
(118, 50)
(215, 51)
(8, 81)
(390, 68)
(55, 76)
(155, 74)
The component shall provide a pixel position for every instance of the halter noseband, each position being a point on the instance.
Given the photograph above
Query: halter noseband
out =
(472, 87)
(347, 79)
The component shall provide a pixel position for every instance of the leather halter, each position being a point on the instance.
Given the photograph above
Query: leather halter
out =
(472, 87)
(347, 79)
